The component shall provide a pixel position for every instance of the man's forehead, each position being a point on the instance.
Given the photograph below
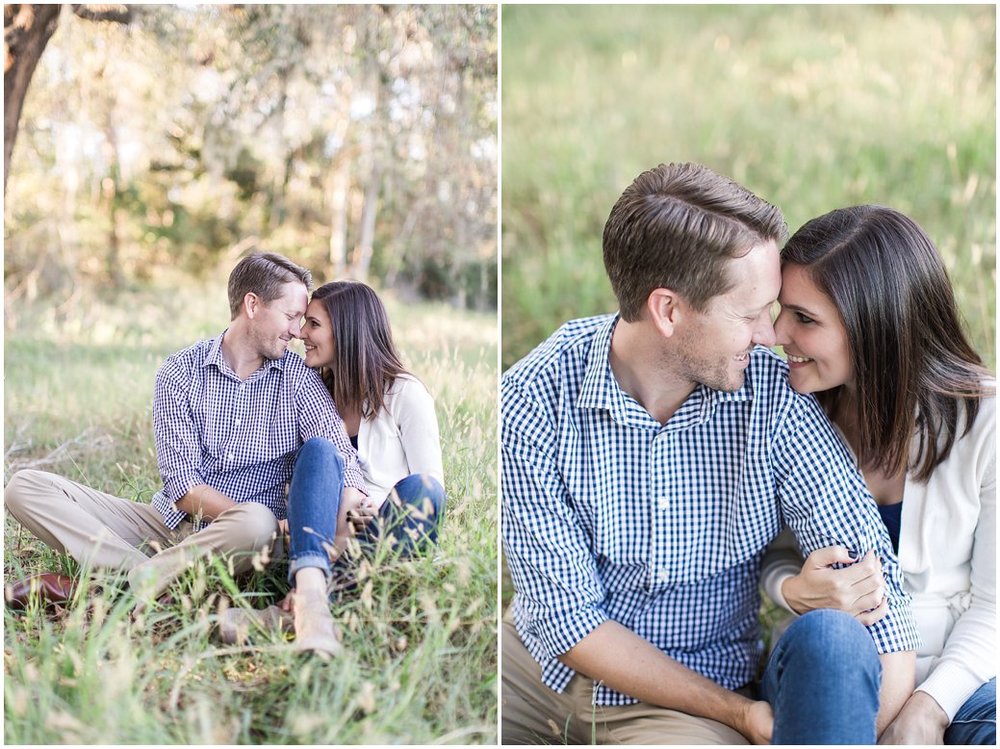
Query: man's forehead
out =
(293, 297)
(756, 276)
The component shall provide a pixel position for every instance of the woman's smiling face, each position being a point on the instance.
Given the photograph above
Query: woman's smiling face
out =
(810, 330)
(317, 335)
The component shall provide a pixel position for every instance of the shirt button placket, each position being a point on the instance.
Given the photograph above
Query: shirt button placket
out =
(659, 550)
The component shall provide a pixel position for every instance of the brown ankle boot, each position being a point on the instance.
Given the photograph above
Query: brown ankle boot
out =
(237, 625)
(314, 627)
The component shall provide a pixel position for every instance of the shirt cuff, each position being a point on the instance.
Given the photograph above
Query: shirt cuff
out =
(172, 517)
(774, 579)
(560, 635)
(895, 632)
(950, 685)
(179, 484)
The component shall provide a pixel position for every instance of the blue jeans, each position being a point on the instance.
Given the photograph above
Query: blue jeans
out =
(410, 515)
(313, 504)
(976, 721)
(822, 681)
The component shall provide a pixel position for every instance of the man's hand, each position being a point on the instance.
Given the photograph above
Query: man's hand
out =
(921, 721)
(758, 723)
(858, 589)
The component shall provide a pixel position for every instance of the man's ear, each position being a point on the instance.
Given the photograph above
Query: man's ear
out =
(251, 303)
(665, 308)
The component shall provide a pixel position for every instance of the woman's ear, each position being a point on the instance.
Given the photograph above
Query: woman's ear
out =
(665, 310)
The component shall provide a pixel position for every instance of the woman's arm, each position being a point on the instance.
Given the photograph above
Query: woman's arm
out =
(418, 428)
(969, 656)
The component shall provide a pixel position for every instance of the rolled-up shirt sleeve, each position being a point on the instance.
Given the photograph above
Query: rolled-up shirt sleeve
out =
(825, 502)
(178, 453)
(319, 417)
(560, 594)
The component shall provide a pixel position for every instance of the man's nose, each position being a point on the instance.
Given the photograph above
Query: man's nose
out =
(764, 335)
(295, 328)
(781, 329)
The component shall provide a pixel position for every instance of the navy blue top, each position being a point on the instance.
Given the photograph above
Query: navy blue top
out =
(891, 515)
(354, 441)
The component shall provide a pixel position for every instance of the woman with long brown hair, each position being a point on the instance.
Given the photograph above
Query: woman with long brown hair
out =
(869, 324)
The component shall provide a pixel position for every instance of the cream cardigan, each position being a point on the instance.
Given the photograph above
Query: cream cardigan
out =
(947, 552)
(401, 440)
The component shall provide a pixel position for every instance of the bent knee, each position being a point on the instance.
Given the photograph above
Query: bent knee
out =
(255, 525)
(423, 490)
(320, 448)
(831, 636)
(22, 486)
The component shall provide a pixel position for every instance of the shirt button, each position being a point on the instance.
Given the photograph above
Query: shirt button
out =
(239, 420)
(663, 575)
(664, 504)
(229, 457)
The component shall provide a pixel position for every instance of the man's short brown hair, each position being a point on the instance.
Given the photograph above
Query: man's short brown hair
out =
(675, 227)
(263, 273)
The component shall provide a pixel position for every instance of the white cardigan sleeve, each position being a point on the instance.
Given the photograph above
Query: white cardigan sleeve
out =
(418, 429)
(969, 656)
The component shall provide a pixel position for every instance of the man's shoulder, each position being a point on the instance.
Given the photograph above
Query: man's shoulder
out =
(566, 349)
(776, 401)
(184, 363)
(767, 376)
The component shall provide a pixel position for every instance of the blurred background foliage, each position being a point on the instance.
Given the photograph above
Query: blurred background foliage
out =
(358, 140)
(811, 107)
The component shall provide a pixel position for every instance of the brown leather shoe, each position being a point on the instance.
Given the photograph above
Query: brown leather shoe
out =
(49, 587)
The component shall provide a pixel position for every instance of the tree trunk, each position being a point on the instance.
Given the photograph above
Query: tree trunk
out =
(366, 237)
(340, 184)
(26, 30)
(112, 196)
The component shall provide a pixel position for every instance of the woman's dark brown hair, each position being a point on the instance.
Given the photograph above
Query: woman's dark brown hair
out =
(914, 367)
(365, 360)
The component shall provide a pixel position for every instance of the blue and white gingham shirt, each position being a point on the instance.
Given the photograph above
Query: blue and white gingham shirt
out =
(607, 514)
(239, 436)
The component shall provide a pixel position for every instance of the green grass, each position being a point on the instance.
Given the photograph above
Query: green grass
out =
(420, 636)
(811, 107)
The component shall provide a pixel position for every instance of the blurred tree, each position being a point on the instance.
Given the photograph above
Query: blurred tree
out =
(26, 31)
(360, 140)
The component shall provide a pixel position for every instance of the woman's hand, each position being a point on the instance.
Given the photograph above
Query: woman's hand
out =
(356, 508)
(858, 589)
(921, 721)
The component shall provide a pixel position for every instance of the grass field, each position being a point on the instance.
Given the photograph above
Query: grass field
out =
(420, 636)
(812, 107)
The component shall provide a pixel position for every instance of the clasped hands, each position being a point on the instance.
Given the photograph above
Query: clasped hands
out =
(858, 589)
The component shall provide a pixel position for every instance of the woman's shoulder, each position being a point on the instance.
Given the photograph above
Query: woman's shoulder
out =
(407, 389)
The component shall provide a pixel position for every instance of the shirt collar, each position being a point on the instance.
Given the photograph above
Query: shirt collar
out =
(600, 390)
(214, 357)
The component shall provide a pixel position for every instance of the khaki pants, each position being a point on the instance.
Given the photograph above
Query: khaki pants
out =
(103, 532)
(531, 713)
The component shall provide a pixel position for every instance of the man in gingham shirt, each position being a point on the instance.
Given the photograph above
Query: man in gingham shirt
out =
(648, 459)
(229, 415)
